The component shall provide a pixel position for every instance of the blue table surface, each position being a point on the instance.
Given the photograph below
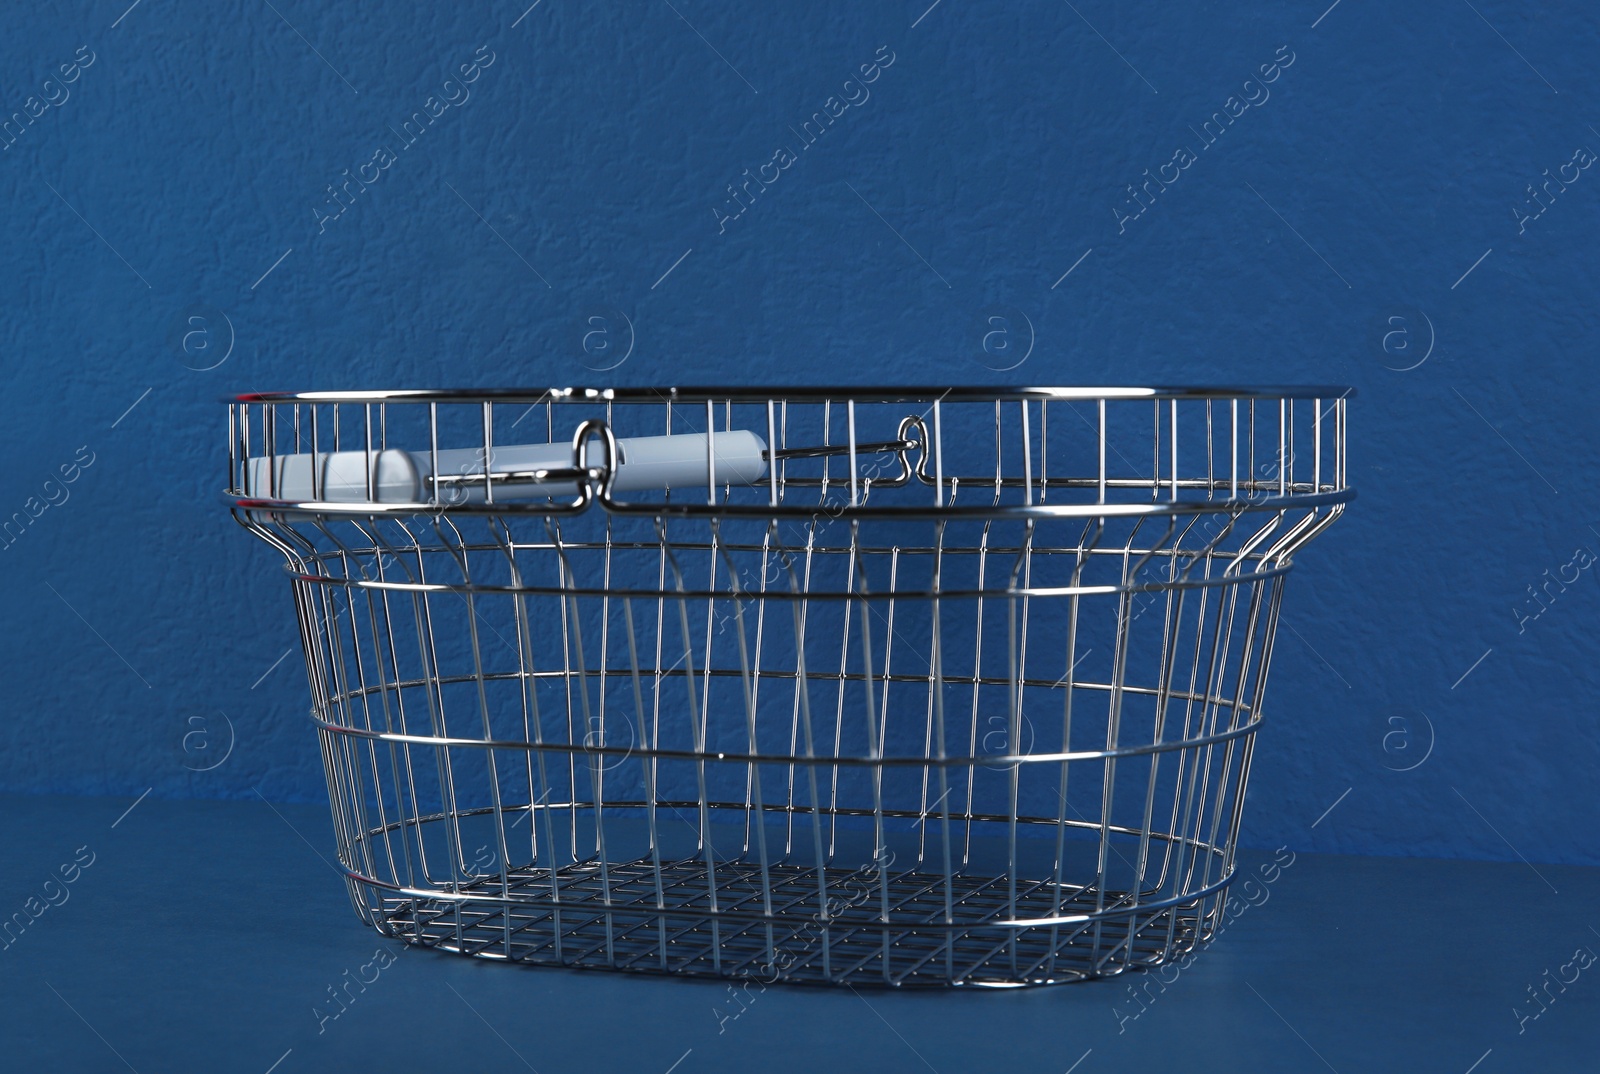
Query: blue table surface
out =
(205, 936)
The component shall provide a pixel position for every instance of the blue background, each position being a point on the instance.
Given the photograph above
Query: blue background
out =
(1336, 233)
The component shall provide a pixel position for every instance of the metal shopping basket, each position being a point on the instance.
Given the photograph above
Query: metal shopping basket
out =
(907, 686)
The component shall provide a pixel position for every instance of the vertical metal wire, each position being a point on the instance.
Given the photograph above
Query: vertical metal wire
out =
(874, 755)
(854, 464)
(697, 734)
(488, 450)
(586, 710)
(936, 669)
(433, 452)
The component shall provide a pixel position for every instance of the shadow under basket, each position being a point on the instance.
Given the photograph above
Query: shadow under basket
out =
(894, 687)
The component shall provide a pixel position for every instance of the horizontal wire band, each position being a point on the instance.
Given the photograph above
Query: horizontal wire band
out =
(797, 394)
(787, 759)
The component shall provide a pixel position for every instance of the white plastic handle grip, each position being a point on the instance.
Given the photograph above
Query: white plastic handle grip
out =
(643, 463)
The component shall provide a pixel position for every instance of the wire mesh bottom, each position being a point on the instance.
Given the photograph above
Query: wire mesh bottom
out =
(642, 931)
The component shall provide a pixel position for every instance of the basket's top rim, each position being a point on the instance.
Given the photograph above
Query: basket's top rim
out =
(796, 393)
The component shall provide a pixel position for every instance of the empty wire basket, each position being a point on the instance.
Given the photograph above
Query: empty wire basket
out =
(857, 686)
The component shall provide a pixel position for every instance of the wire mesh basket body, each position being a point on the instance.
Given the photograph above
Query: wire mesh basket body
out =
(900, 687)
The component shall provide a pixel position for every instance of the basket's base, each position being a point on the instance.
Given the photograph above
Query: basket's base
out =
(665, 928)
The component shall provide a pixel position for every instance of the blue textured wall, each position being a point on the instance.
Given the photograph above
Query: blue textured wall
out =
(1364, 218)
